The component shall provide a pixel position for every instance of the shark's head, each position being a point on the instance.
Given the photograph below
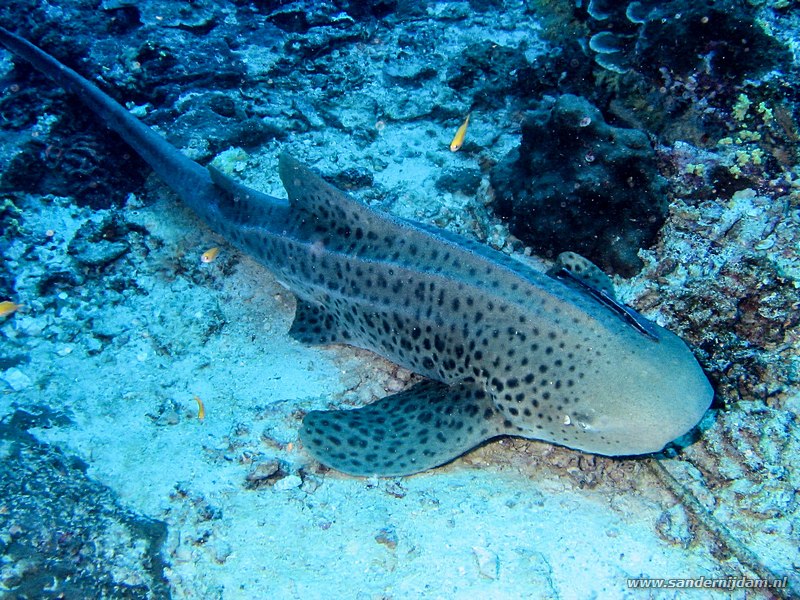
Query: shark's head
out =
(622, 385)
(645, 397)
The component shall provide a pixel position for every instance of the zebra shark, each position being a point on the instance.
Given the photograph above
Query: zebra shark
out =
(504, 348)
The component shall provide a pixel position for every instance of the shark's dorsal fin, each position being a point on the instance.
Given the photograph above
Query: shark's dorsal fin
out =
(244, 205)
(321, 202)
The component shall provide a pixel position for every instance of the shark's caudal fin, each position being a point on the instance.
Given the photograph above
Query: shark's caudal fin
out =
(418, 429)
(222, 202)
(181, 173)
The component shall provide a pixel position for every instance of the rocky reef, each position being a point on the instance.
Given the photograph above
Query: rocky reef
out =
(721, 38)
(63, 531)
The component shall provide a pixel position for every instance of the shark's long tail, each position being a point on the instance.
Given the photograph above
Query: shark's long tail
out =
(188, 179)
(222, 202)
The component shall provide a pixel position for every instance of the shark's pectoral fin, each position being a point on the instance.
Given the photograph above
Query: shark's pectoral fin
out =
(314, 325)
(583, 270)
(418, 429)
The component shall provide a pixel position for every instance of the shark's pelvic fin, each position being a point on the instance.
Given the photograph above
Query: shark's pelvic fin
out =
(417, 429)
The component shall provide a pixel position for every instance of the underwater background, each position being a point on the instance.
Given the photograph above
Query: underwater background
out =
(150, 396)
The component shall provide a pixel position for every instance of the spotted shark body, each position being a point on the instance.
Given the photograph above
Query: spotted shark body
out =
(506, 349)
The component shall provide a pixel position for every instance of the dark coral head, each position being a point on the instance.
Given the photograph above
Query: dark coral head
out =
(577, 183)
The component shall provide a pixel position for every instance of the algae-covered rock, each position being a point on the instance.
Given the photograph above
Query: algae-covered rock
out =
(723, 37)
(466, 181)
(10, 218)
(98, 244)
(577, 183)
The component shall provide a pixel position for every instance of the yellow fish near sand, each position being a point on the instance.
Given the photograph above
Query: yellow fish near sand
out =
(7, 307)
(458, 139)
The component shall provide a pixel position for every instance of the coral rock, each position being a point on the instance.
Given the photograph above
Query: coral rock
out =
(577, 183)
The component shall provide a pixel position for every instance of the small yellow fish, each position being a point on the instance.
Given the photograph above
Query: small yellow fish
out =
(201, 409)
(458, 139)
(7, 308)
(209, 255)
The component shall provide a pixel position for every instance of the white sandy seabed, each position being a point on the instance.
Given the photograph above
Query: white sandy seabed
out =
(481, 527)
